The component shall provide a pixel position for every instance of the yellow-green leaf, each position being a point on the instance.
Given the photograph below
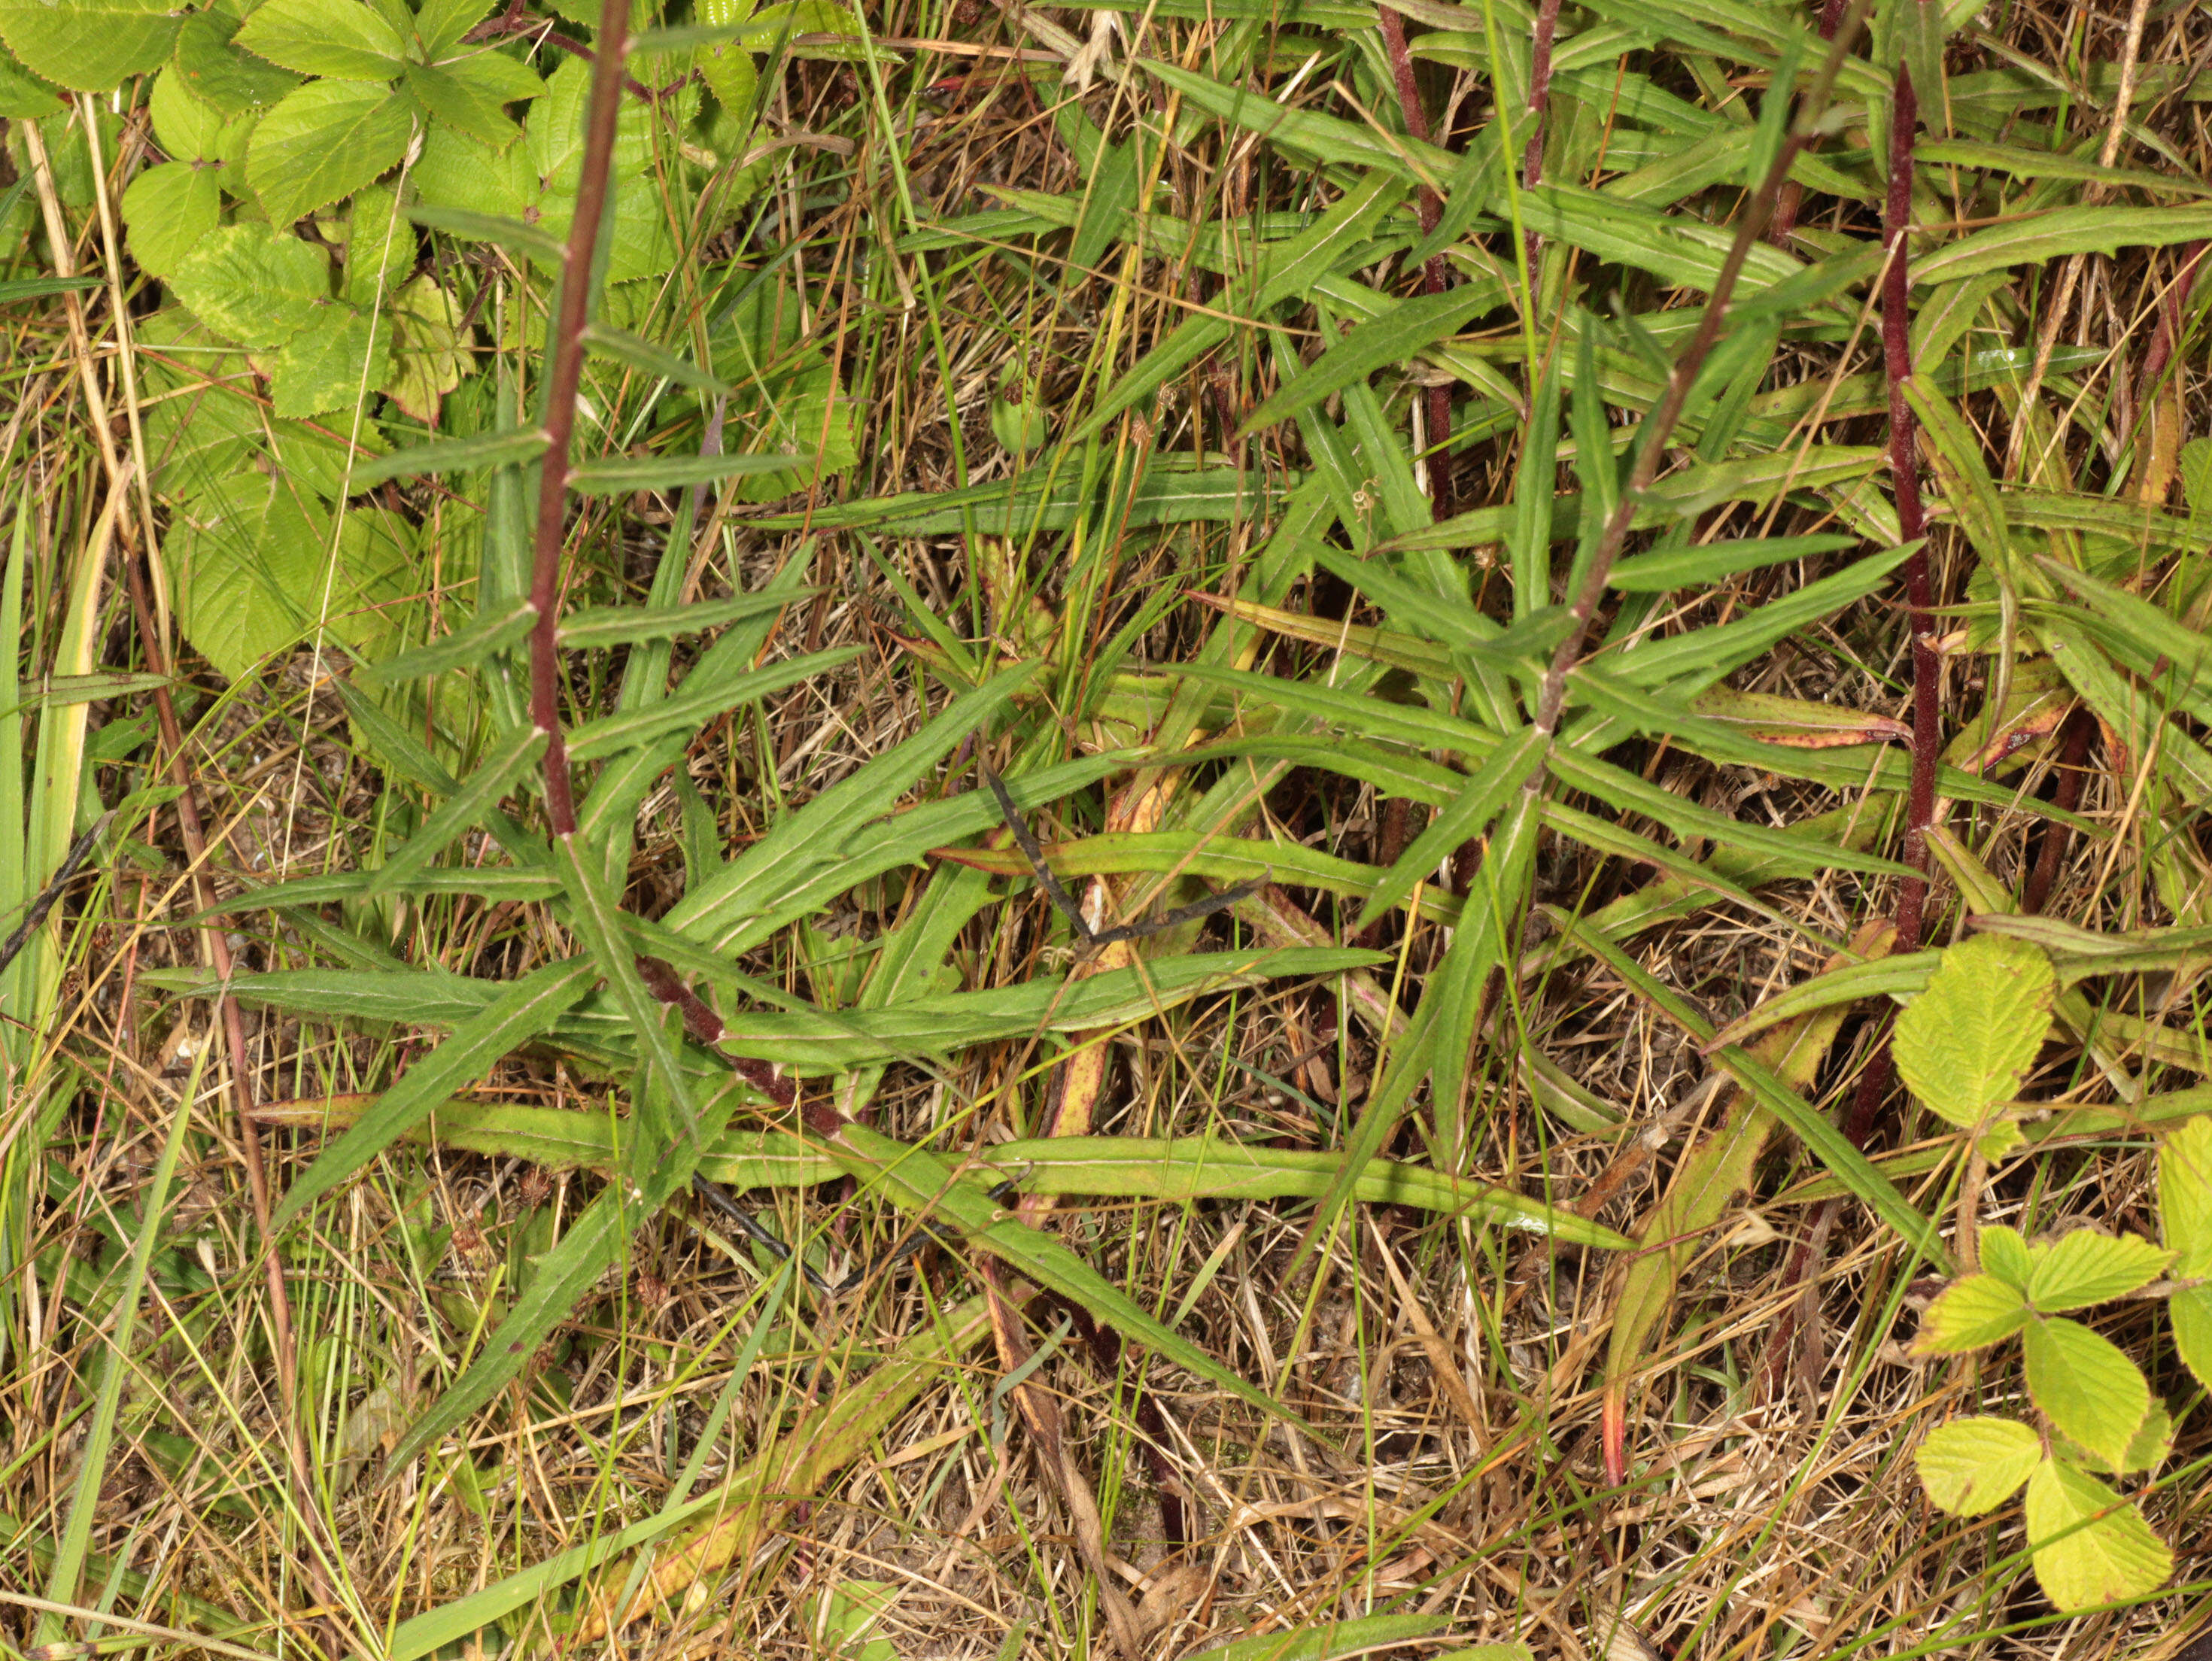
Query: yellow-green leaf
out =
(2184, 1197)
(1966, 1041)
(2091, 1546)
(2085, 1267)
(2086, 1386)
(1972, 1313)
(1974, 1465)
(2191, 1314)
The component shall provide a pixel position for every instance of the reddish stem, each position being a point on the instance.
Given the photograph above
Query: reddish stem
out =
(1911, 520)
(1540, 101)
(2073, 756)
(1793, 193)
(567, 375)
(1434, 275)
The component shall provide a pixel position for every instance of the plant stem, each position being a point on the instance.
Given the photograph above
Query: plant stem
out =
(567, 374)
(1911, 518)
(1434, 275)
(1651, 440)
(1540, 99)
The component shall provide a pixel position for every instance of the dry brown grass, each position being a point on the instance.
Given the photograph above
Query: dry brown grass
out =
(1452, 1372)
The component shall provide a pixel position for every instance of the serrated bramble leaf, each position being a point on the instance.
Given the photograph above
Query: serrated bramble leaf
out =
(427, 360)
(1973, 1311)
(89, 45)
(235, 83)
(331, 364)
(346, 38)
(462, 104)
(441, 25)
(2190, 1311)
(2006, 1255)
(325, 141)
(254, 285)
(1963, 1044)
(171, 210)
(2086, 1386)
(2184, 1197)
(1970, 1466)
(23, 96)
(2152, 1442)
(2085, 1267)
(2090, 1546)
(186, 126)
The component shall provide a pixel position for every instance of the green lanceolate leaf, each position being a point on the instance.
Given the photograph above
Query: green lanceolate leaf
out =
(1964, 1044)
(2086, 1386)
(522, 1011)
(450, 456)
(512, 235)
(1398, 336)
(462, 810)
(930, 1186)
(657, 362)
(1715, 562)
(1972, 1466)
(811, 1043)
(2090, 1546)
(1488, 790)
(2032, 241)
(626, 625)
(689, 710)
(618, 478)
(463, 648)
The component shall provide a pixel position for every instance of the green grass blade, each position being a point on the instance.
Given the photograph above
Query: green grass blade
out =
(521, 1012)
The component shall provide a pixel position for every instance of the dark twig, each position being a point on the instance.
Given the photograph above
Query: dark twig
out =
(1540, 100)
(1034, 852)
(13, 946)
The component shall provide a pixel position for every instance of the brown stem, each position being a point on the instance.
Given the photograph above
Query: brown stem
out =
(2073, 756)
(1539, 100)
(1651, 440)
(1793, 193)
(1911, 520)
(568, 373)
(216, 951)
(1435, 275)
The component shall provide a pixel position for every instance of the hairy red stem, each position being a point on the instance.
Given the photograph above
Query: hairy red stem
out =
(567, 374)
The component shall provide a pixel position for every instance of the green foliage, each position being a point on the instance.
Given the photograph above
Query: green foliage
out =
(1964, 1044)
(297, 144)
